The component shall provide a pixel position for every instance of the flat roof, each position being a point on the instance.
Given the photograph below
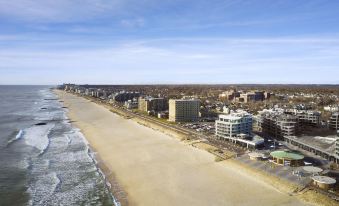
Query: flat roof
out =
(325, 144)
(256, 154)
(287, 155)
(324, 180)
(312, 169)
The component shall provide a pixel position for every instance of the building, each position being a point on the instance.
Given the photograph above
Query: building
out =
(323, 182)
(241, 96)
(184, 110)
(287, 158)
(88, 91)
(306, 117)
(152, 104)
(69, 87)
(325, 147)
(229, 95)
(125, 96)
(334, 121)
(337, 146)
(332, 108)
(237, 127)
(130, 104)
(234, 124)
(257, 123)
(276, 124)
(252, 96)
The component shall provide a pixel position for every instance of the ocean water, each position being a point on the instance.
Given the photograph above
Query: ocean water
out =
(43, 159)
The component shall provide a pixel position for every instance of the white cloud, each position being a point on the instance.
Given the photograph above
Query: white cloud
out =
(193, 61)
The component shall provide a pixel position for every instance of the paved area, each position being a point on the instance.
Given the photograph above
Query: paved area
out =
(283, 172)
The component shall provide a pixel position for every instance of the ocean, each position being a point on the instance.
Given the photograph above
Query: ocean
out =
(43, 159)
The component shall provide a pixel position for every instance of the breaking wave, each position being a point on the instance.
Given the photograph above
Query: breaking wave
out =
(19, 135)
(37, 136)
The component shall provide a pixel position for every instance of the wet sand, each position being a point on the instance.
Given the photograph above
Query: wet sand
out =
(156, 169)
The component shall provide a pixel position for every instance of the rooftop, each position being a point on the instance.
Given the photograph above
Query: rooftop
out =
(287, 155)
(324, 180)
(235, 115)
(326, 144)
(312, 169)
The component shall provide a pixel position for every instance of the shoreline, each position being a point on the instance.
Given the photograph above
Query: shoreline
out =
(283, 186)
(117, 193)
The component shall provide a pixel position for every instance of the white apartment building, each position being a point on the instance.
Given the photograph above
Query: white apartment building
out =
(184, 110)
(234, 125)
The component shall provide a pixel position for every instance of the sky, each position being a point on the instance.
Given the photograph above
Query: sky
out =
(169, 41)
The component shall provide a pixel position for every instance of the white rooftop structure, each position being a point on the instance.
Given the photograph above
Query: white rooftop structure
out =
(312, 169)
(324, 180)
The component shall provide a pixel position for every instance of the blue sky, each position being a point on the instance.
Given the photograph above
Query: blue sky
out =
(169, 41)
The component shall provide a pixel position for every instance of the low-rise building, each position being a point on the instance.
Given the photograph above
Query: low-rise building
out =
(130, 104)
(325, 147)
(306, 117)
(276, 124)
(152, 104)
(243, 96)
(125, 96)
(332, 108)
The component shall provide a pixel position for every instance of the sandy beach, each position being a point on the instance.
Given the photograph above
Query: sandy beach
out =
(156, 169)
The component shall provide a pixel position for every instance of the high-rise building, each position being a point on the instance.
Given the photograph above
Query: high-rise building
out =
(184, 110)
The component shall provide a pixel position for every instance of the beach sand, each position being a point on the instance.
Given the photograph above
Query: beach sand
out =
(156, 169)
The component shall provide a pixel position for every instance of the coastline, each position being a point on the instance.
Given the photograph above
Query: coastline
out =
(283, 187)
(117, 193)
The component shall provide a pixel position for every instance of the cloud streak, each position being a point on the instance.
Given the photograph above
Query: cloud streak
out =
(205, 61)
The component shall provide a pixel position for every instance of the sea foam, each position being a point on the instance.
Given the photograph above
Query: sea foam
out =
(20, 134)
(37, 136)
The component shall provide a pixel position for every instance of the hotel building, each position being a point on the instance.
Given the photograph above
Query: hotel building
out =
(184, 110)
